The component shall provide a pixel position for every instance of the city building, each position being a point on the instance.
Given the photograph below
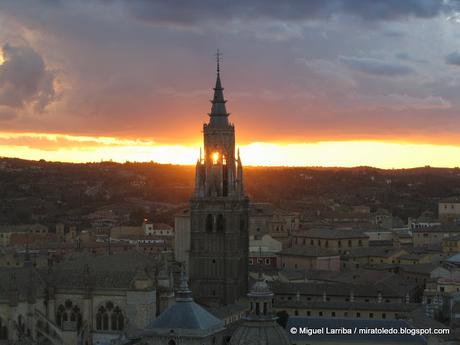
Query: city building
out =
(310, 258)
(219, 213)
(83, 300)
(449, 210)
(333, 239)
(157, 229)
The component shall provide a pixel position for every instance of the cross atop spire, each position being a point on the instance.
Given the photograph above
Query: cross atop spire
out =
(218, 112)
(218, 60)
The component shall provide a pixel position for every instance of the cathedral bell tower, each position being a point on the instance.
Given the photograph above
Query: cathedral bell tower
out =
(219, 212)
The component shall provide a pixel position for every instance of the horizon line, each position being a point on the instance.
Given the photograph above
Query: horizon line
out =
(244, 165)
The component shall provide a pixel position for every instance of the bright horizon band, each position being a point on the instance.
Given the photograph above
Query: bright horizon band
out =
(80, 149)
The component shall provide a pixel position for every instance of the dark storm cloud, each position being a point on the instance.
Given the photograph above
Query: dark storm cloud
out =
(453, 58)
(24, 79)
(185, 12)
(376, 67)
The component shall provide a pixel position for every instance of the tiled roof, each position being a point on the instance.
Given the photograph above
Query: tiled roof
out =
(334, 289)
(306, 252)
(188, 317)
(332, 234)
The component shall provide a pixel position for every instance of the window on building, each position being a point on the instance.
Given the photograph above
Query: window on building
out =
(60, 315)
(69, 312)
(384, 316)
(371, 315)
(220, 224)
(110, 317)
(3, 329)
(358, 315)
(209, 223)
(242, 225)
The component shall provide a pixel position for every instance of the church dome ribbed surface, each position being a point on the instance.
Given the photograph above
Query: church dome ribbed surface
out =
(260, 333)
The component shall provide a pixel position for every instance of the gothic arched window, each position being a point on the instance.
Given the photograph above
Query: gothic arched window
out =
(102, 319)
(69, 312)
(105, 321)
(171, 342)
(117, 320)
(60, 315)
(209, 223)
(75, 316)
(220, 226)
(110, 317)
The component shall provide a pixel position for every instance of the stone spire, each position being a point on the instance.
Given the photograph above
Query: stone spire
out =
(218, 112)
(183, 293)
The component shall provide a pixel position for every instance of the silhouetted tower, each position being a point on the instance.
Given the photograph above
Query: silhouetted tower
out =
(219, 212)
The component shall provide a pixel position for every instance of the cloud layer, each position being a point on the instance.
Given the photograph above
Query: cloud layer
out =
(293, 70)
(187, 12)
(25, 82)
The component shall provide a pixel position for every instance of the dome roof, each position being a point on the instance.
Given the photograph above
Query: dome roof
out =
(260, 288)
(185, 316)
(260, 326)
(264, 333)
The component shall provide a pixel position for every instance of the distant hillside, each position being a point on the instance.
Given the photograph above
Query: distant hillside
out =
(47, 191)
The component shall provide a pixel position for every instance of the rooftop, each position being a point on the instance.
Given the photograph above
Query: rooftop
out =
(332, 234)
(306, 252)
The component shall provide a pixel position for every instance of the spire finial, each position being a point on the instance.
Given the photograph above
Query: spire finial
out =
(218, 59)
(183, 293)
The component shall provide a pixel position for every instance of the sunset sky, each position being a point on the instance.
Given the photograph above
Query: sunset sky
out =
(317, 82)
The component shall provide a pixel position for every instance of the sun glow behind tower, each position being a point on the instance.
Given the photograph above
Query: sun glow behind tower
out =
(80, 149)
